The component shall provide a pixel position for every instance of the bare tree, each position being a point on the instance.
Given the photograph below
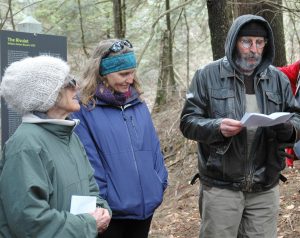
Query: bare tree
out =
(170, 69)
(162, 81)
(3, 21)
(154, 25)
(219, 20)
(82, 31)
(292, 34)
(119, 9)
(10, 14)
(187, 49)
(273, 13)
(167, 84)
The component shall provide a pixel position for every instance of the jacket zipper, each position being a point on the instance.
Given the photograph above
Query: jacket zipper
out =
(248, 165)
(249, 177)
(132, 150)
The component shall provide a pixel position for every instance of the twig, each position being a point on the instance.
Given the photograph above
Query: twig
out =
(290, 223)
(153, 27)
(170, 155)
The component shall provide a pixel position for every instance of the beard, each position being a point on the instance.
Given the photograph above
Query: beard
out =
(242, 61)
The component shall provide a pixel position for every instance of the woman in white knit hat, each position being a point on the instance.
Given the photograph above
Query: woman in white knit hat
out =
(43, 163)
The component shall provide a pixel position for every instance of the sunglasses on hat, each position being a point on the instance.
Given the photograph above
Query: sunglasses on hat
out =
(119, 45)
(70, 82)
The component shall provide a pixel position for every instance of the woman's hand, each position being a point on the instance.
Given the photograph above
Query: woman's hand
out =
(102, 218)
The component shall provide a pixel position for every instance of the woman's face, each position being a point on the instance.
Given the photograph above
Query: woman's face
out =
(121, 80)
(68, 101)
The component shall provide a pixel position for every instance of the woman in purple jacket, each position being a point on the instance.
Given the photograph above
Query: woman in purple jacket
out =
(118, 134)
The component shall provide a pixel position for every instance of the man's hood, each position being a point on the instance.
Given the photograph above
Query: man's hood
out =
(230, 44)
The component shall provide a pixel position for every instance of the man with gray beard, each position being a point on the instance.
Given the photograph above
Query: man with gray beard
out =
(239, 167)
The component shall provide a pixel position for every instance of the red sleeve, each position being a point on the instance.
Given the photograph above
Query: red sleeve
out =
(291, 71)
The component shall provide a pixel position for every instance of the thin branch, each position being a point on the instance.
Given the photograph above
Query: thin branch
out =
(82, 31)
(271, 3)
(11, 15)
(57, 8)
(154, 24)
(104, 1)
(295, 29)
(6, 16)
(178, 78)
(29, 5)
(175, 25)
(187, 49)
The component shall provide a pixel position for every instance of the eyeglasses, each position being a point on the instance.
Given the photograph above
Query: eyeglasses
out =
(70, 82)
(247, 43)
(119, 45)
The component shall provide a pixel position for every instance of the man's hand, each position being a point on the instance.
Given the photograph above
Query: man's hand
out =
(102, 218)
(230, 127)
(282, 153)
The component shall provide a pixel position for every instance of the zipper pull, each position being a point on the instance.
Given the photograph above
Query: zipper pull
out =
(123, 114)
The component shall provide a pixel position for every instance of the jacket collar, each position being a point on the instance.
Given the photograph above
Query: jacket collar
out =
(61, 128)
(35, 119)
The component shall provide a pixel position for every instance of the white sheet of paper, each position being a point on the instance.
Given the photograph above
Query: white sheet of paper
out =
(258, 119)
(82, 204)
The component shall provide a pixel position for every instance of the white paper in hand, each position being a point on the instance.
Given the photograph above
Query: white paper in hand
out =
(258, 119)
(83, 204)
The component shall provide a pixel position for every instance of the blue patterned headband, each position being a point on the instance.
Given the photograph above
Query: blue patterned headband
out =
(117, 63)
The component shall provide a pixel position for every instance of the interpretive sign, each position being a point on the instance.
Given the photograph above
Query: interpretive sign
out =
(15, 46)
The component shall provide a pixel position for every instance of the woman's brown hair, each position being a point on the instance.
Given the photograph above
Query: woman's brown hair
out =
(91, 76)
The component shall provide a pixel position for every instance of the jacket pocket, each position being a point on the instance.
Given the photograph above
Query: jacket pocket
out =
(273, 101)
(222, 103)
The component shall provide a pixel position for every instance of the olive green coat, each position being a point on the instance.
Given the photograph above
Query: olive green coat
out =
(43, 165)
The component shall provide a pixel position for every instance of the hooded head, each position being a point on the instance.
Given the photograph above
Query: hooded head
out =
(34, 83)
(250, 25)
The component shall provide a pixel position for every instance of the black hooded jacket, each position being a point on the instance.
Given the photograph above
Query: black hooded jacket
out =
(217, 91)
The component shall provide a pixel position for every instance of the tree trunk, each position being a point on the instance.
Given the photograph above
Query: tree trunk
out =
(119, 8)
(293, 34)
(219, 20)
(247, 7)
(82, 31)
(187, 49)
(11, 15)
(2, 21)
(271, 11)
(161, 92)
(274, 16)
(170, 70)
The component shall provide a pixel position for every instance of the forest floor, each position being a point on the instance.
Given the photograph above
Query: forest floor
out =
(178, 215)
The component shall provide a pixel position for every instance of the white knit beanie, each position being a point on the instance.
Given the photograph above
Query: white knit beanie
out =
(33, 84)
